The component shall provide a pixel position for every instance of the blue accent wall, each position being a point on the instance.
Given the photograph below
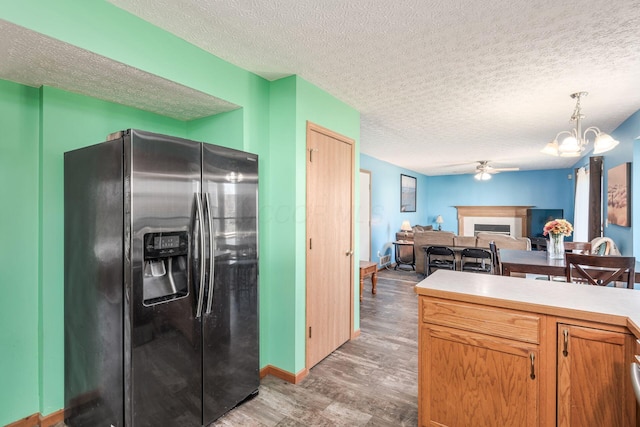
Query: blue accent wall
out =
(386, 217)
(627, 238)
(544, 189)
(626, 133)
(437, 195)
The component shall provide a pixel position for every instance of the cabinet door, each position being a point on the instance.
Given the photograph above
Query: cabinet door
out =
(471, 379)
(594, 388)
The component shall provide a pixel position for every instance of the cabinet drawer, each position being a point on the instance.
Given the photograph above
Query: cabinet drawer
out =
(493, 321)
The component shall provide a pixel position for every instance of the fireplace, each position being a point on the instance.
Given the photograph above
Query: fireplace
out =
(492, 228)
(508, 220)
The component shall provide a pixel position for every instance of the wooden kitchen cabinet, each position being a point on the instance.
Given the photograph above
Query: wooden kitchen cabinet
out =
(481, 365)
(593, 386)
(478, 365)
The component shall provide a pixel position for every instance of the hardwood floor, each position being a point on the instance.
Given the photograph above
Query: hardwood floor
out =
(369, 381)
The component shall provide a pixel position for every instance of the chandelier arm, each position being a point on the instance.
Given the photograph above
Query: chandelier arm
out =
(593, 129)
(562, 132)
(577, 141)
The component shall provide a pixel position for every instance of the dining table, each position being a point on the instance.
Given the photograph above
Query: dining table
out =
(537, 262)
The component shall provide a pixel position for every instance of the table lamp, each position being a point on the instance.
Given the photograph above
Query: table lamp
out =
(439, 221)
(406, 227)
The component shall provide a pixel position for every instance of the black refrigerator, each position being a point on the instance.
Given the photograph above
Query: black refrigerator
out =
(161, 281)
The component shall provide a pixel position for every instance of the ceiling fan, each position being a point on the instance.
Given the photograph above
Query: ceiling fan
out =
(484, 170)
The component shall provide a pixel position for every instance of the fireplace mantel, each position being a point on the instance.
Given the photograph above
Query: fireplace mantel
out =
(518, 212)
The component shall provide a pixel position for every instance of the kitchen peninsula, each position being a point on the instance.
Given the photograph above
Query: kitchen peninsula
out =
(497, 350)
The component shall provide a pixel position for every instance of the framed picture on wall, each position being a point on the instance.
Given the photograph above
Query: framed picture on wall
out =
(408, 186)
(618, 202)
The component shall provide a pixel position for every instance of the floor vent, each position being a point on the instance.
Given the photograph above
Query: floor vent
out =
(385, 260)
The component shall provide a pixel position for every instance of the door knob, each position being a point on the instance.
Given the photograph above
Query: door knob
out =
(349, 253)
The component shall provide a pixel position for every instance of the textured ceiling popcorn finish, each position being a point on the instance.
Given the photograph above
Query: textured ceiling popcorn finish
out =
(439, 84)
(35, 60)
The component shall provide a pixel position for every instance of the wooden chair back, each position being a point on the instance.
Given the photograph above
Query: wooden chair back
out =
(581, 247)
(600, 270)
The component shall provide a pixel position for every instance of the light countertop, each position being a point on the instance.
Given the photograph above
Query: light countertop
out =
(616, 306)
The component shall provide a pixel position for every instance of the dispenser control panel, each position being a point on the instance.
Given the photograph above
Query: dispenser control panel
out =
(166, 244)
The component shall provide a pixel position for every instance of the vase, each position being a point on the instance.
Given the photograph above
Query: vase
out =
(555, 247)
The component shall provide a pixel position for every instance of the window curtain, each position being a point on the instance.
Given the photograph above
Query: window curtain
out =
(581, 207)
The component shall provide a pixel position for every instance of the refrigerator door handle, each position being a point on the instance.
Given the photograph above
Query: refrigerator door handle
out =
(212, 269)
(202, 259)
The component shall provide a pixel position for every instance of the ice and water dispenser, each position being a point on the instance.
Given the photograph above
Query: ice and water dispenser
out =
(165, 274)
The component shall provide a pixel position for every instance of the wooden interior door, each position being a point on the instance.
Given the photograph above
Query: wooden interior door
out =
(330, 261)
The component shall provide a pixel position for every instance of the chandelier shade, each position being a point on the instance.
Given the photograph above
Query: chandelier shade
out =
(604, 142)
(576, 141)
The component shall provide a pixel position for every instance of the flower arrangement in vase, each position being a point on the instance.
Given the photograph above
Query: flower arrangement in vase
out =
(556, 230)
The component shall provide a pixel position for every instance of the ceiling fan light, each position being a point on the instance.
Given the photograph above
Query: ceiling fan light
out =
(604, 142)
(551, 148)
(482, 176)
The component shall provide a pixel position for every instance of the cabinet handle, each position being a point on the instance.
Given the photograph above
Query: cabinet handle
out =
(565, 350)
(533, 366)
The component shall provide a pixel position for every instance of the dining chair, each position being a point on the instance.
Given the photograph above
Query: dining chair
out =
(604, 246)
(495, 258)
(578, 247)
(599, 270)
(439, 257)
(476, 259)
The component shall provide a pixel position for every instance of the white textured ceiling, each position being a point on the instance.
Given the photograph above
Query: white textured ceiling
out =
(36, 60)
(437, 82)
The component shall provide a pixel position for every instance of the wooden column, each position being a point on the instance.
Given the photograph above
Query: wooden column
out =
(595, 197)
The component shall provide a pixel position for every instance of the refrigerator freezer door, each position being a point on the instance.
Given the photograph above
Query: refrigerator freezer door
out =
(230, 329)
(165, 343)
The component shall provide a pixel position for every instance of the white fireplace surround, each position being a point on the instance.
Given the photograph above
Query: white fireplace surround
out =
(513, 216)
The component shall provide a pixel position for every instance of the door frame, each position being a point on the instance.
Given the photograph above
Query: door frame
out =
(343, 139)
(368, 226)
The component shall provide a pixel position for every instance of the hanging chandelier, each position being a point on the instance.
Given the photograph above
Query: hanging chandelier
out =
(576, 141)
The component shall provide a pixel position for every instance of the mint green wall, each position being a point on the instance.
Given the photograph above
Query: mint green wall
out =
(279, 336)
(222, 129)
(293, 102)
(322, 109)
(68, 121)
(19, 171)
